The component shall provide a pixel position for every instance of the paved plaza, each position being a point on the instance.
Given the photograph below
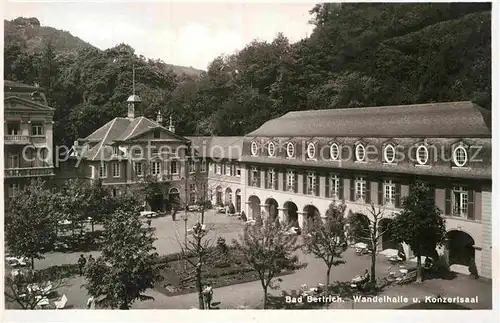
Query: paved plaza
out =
(249, 295)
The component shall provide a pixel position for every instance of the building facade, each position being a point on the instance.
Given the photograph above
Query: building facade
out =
(297, 164)
(131, 152)
(28, 136)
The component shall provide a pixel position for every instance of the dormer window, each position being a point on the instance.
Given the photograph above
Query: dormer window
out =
(290, 150)
(271, 148)
(389, 154)
(254, 148)
(311, 150)
(334, 152)
(422, 155)
(360, 153)
(460, 156)
(115, 150)
(156, 134)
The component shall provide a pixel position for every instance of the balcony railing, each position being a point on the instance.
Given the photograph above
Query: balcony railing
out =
(29, 172)
(16, 139)
(38, 139)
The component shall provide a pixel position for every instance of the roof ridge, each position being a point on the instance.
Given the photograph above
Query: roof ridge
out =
(377, 107)
(104, 138)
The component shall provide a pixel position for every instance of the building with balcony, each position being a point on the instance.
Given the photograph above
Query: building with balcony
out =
(292, 167)
(127, 150)
(28, 142)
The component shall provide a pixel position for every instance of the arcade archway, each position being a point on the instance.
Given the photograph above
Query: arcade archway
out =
(238, 201)
(227, 196)
(218, 196)
(291, 215)
(388, 241)
(254, 207)
(174, 198)
(272, 208)
(460, 247)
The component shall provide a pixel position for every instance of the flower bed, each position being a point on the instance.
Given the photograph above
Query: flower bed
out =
(218, 272)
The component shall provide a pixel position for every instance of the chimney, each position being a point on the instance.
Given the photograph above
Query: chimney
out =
(171, 127)
(159, 118)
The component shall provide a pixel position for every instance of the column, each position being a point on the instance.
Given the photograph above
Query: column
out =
(281, 214)
(300, 219)
(264, 209)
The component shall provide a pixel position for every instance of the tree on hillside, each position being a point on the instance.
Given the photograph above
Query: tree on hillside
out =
(30, 222)
(127, 265)
(370, 230)
(326, 239)
(420, 224)
(269, 250)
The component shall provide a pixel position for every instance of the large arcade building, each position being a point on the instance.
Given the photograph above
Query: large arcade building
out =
(295, 165)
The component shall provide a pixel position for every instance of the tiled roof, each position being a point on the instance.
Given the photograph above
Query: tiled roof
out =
(449, 119)
(120, 129)
(218, 147)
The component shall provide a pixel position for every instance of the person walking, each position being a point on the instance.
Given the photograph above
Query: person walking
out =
(208, 293)
(82, 261)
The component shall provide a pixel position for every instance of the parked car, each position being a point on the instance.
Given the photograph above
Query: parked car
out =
(149, 214)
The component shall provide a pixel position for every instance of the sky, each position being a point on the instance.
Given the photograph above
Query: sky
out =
(186, 34)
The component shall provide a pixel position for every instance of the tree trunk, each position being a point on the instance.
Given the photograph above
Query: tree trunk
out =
(202, 215)
(265, 297)
(124, 306)
(92, 223)
(201, 303)
(372, 274)
(32, 263)
(419, 269)
(327, 278)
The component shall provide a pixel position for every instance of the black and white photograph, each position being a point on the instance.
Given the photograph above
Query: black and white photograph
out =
(248, 156)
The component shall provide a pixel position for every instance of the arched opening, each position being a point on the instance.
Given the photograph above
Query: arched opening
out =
(174, 198)
(460, 247)
(272, 206)
(310, 212)
(291, 215)
(358, 229)
(227, 196)
(238, 201)
(254, 205)
(385, 228)
(218, 196)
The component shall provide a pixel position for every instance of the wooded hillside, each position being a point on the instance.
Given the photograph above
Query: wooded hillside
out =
(358, 55)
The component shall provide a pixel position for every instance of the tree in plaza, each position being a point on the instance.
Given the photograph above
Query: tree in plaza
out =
(98, 203)
(420, 224)
(126, 267)
(27, 288)
(268, 249)
(73, 199)
(368, 230)
(326, 240)
(29, 221)
(196, 250)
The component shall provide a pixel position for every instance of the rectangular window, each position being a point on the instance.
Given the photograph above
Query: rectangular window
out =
(116, 169)
(389, 192)
(154, 152)
(255, 177)
(103, 171)
(334, 186)
(192, 166)
(311, 183)
(228, 170)
(360, 188)
(238, 171)
(173, 167)
(14, 161)
(37, 129)
(138, 169)
(155, 168)
(271, 178)
(219, 169)
(460, 201)
(115, 150)
(14, 128)
(290, 181)
(114, 193)
(203, 166)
